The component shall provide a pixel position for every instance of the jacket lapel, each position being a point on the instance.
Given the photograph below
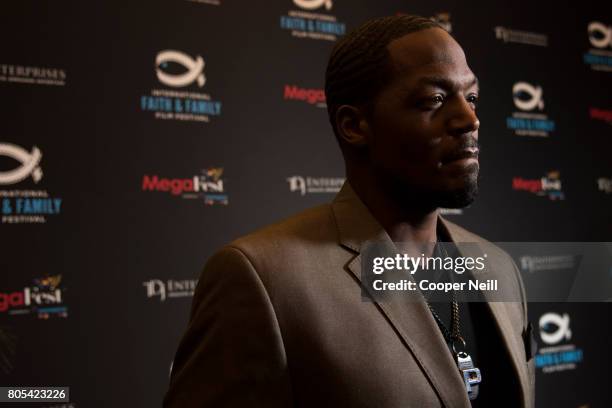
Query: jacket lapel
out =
(411, 320)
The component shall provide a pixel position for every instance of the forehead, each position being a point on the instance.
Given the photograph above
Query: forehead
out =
(428, 52)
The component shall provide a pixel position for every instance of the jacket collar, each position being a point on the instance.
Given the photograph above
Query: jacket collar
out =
(413, 321)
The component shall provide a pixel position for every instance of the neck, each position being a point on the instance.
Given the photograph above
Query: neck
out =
(403, 221)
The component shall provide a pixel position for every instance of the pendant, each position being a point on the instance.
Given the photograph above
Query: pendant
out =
(471, 375)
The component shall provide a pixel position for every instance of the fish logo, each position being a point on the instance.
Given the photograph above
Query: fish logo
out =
(194, 67)
(534, 96)
(313, 4)
(29, 164)
(549, 334)
(600, 35)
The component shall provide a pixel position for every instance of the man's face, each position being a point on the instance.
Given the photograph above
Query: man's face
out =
(423, 124)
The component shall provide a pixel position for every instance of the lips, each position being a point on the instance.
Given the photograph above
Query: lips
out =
(468, 153)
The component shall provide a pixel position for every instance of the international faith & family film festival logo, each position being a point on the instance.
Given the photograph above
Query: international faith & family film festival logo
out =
(182, 77)
(22, 200)
(44, 298)
(599, 56)
(313, 19)
(208, 186)
(530, 119)
(558, 353)
(548, 186)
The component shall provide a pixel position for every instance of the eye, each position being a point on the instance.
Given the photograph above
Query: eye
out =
(472, 99)
(436, 99)
(432, 102)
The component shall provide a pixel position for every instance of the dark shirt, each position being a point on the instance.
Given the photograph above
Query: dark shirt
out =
(499, 386)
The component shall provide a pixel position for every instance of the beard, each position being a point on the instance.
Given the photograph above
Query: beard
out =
(459, 198)
(428, 198)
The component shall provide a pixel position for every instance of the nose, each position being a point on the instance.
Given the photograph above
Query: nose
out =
(463, 120)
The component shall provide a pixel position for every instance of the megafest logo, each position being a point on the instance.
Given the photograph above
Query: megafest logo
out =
(599, 56)
(601, 114)
(530, 119)
(208, 186)
(43, 299)
(23, 74)
(169, 289)
(312, 19)
(547, 186)
(558, 354)
(315, 185)
(311, 96)
(183, 76)
(24, 206)
(510, 35)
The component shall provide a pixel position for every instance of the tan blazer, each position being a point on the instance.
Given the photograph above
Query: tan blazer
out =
(278, 320)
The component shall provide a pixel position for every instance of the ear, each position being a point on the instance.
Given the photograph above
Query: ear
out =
(353, 128)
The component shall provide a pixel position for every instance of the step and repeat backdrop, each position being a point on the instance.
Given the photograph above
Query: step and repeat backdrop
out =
(137, 138)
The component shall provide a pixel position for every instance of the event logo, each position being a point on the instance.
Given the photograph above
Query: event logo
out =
(533, 264)
(194, 69)
(32, 75)
(207, 186)
(548, 186)
(554, 330)
(313, 4)
(29, 164)
(509, 35)
(451, 211)
(44, 298)
(176, 69)
(604, 184)
(156, 288)
(24, 206)
(529, 98)
(314, 185)
(601, 114)
(311, 96)
(599, 57)
(209, 2)
(304, 23)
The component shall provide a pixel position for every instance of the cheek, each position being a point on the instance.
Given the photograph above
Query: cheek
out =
(410, 143)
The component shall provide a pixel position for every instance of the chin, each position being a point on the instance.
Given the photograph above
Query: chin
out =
(459, 197)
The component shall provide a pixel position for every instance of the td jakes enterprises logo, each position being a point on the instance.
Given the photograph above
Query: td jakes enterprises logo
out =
(305, 23)
(156, 288)
(599, 56)
(558, 355)
(314, 185)
(509, 35)
(44, 298)
(207, 186)
(24, 206)
(179, 71)
(549, 186)
(32, 75)
(530, 119)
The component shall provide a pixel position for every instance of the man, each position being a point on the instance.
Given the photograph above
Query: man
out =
(278, 318)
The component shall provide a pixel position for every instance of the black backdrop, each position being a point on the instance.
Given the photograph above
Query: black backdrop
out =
(106, 329)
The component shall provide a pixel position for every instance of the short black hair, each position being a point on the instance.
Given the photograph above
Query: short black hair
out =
(358, 65)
